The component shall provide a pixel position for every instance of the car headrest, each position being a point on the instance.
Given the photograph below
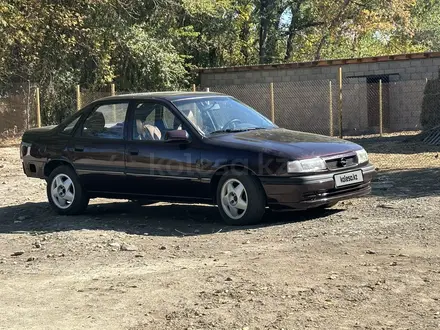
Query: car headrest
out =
(96, 122)
(139, 127)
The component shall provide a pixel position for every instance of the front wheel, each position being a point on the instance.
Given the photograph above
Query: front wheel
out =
(65, 193)
(241, 199)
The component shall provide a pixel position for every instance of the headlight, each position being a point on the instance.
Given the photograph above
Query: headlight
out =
(25, 149)
(362, 156)
(306, 165)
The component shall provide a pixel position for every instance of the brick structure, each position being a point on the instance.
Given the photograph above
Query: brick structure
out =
(302, 90)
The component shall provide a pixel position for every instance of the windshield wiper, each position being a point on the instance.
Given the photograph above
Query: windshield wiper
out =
(237, 130)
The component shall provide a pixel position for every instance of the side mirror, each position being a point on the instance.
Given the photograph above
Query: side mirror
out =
(176, 136)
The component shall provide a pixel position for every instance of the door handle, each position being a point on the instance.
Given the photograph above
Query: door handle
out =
(79, 148)
(134, 152)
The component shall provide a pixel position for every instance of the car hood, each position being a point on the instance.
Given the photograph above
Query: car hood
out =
(42, 129)
(35, 133)
(286, 143)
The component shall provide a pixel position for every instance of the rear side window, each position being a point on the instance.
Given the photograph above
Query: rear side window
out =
(106, 122)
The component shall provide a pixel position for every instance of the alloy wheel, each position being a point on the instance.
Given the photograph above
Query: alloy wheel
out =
(62, 191)
(234, 199)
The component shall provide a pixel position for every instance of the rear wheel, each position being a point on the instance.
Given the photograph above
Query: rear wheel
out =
(241, 199)
(65, 193)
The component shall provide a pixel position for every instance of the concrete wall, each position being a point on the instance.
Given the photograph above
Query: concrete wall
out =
(413, 69)
(302, 93)
(406, 98)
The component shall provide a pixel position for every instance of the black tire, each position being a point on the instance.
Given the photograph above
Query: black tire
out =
(256, 198)
(80, 200)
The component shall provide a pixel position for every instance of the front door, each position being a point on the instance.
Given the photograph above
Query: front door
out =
(154, 166)
(98, 149)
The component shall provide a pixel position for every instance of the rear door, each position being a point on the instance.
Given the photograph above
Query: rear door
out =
(98, 148)
(158, 168)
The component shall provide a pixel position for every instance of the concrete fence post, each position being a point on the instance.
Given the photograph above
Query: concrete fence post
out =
(38, 107)
(340, 103)
(272, 103)
(331, 107)
(78, 97)
(194, 88)
(381, 107)
(113, 89)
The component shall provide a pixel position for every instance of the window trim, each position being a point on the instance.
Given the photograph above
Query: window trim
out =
(68, 121)
(132, 110)
(92, 109)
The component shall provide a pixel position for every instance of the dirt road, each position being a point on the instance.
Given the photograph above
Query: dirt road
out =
(372, 263)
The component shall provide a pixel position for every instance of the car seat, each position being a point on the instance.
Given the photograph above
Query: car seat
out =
(95, 124)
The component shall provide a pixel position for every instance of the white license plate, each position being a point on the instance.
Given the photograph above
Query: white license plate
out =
(349, 178)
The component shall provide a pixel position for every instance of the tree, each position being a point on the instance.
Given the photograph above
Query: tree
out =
(426, 18)
(430, 116)
(154, 44)
(145, 63)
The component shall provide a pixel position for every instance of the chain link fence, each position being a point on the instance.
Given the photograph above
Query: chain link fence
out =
(367, 107)
(380, 113)
(17, 109)
(87, 96)
(24, 105)
(256, 95)
(360, 111)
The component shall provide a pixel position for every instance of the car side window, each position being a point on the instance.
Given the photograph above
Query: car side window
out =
(106, 122)
(152, 121)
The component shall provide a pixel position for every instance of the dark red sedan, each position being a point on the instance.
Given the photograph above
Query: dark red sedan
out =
(195, 148)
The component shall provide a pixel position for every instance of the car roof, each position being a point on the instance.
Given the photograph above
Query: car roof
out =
(170, 96)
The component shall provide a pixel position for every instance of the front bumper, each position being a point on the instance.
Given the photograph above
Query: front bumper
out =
(308, 192)
(33, 168)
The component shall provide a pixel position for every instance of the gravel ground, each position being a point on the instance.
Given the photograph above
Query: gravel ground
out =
(371, 263)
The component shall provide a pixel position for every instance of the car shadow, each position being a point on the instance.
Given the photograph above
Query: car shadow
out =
(153, 220)
(404, 184)
(402, 145)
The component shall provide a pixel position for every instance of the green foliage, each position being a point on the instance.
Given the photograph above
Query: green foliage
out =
(146, 63)
(154, 44)
(426, 18)
(58, 99)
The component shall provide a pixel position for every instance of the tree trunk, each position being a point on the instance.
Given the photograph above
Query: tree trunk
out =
(332, 25)
(289, 46)
(320, 46)
(264, 27)
(292, 30)
(245, 34)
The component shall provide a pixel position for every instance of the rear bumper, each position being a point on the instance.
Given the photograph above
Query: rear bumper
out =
(313, 191)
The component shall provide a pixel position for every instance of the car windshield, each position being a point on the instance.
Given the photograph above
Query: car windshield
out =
(222, 114)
